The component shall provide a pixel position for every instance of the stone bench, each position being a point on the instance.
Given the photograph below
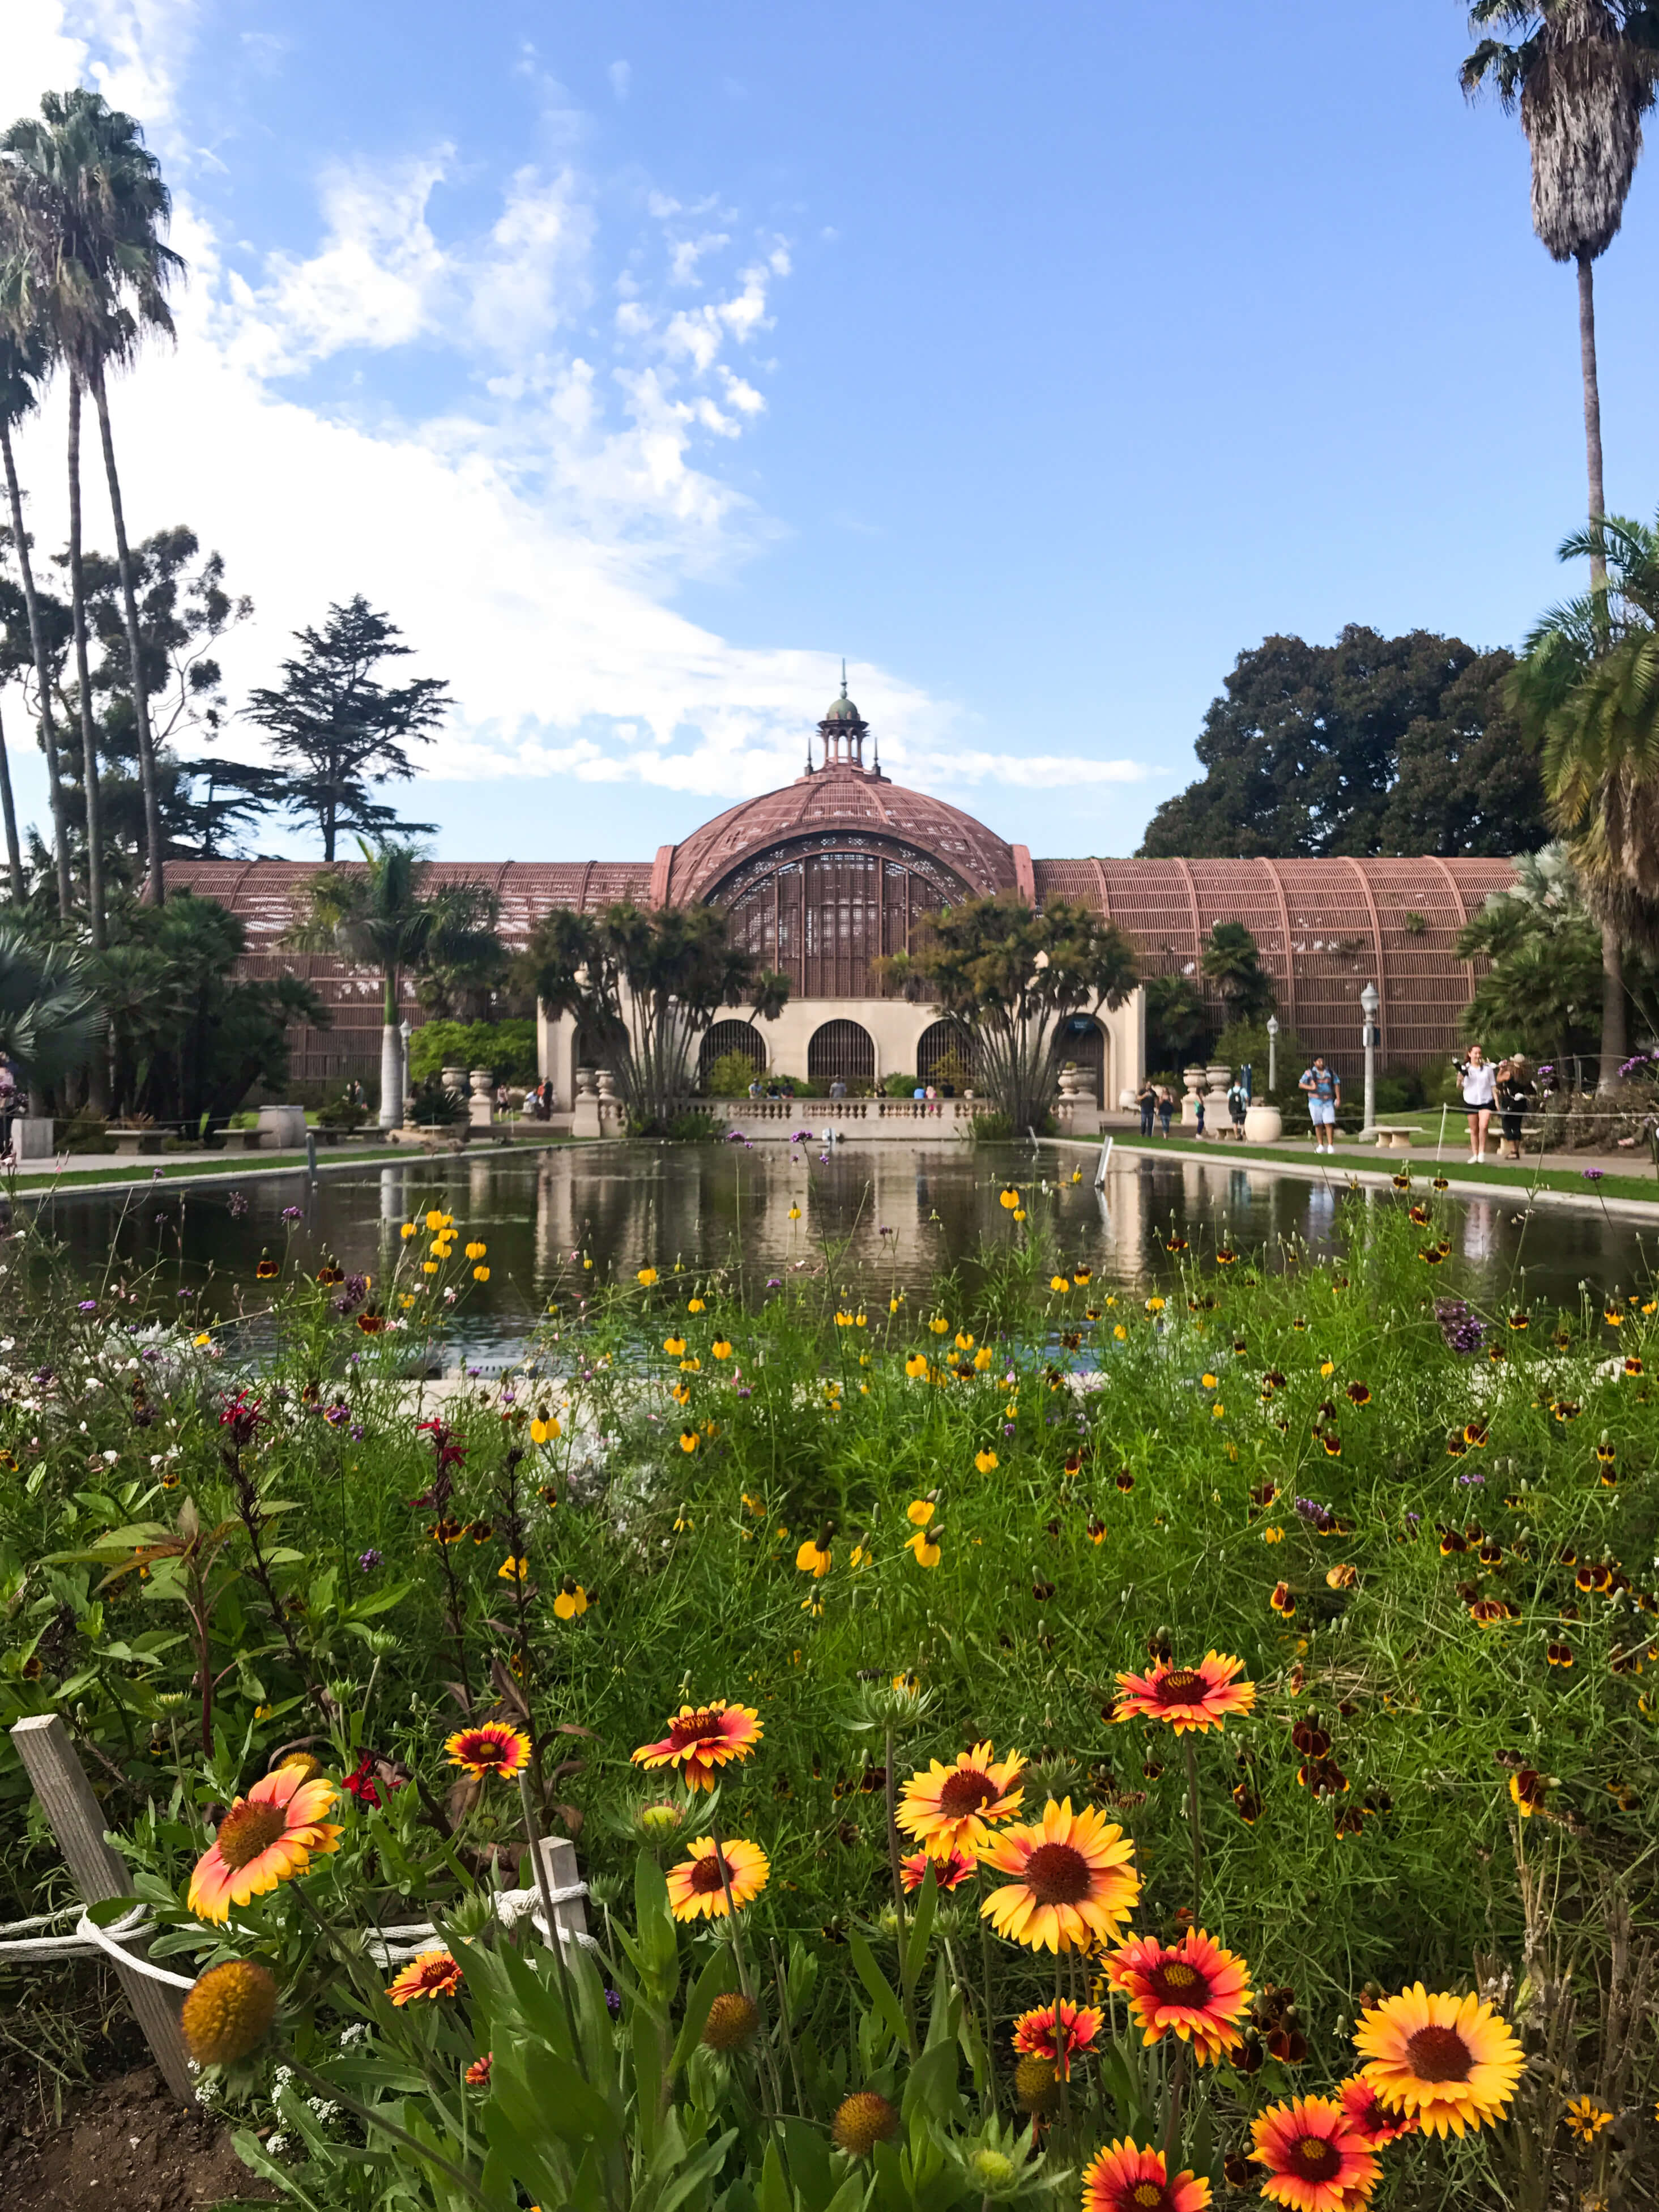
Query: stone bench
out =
(241, 1141)
(1393, 1136)
(129, 1142)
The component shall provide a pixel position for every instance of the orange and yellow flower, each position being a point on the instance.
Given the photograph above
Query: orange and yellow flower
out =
(1073, 1884)
(697, 1886)
(701, 1738)
(1037, 2036)
(949, 1808)
(1449, 2061)
(1122, 2177)
(1187, 1696)
(949, 1872)
(1369, 2116)
(266, 1838)
(1316, 2160)
(434, 1974)
(1192, 1989)
(490, 1749)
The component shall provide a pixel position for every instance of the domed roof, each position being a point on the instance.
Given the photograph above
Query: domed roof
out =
(841, 710)
(839, 805)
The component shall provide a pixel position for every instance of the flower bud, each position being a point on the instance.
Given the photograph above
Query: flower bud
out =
(229, 2012)
(733, 2021)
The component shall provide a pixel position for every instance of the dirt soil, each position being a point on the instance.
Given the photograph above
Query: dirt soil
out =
(124, 2147)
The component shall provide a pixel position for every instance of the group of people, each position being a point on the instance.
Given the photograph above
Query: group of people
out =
(1486, 1088)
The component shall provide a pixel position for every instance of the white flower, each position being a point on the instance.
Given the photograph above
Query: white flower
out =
(355, 2031)
(277, 2143)
(110, 1458)
(7, 1343)
(280, 2080)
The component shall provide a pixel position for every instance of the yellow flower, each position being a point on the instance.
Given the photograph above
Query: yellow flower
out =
(920, 1510)
(645, 1276)
(428, 1266)
(674, 1346)
(1120, 1332)
(1218, 1412)
(916, 1365)
(1208, 1380)
(512, 1571)
(983, 1360)
(894, 1302)
(688, 1440)
(481, 1274)
(721, 1348)
(794, 1213)
(814, 1557)
(405, 1300)
(407, 1231)
(692, 1366)
(923, 1548)
(435, 1221)
(572, 1599)
(985, 1460)
(1327, 1367)
(1019, 1214)
(1059, 1282)
(475, 1250)
(1154, 1305)
(543, 1428)
(938, 1324)
(1009, 1197)
(694, 1305)
(204, 1338)
(1272, 1535)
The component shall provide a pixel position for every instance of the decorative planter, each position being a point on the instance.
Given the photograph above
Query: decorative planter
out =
(480, 1106)
(1263, 1125)
(454, 1081)
(1192, 1080)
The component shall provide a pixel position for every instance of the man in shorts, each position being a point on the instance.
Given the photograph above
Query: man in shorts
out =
(1324, 1090)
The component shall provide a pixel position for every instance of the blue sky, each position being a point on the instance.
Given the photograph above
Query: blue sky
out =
(642, 361)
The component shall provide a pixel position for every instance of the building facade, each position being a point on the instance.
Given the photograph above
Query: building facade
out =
(823, 878)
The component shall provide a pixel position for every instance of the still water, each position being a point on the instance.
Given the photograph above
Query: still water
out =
(870, 1218)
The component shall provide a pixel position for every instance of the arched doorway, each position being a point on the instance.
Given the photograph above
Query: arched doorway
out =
(723, 1040)
(843, 1052)
(1081, 1042)
(948, 1052)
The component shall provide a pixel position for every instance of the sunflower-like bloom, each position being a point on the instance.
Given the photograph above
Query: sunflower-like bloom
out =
(696, 1887)
(229, 2011)
(1192, 1989)
(1187, 1696)
(435, 1974)
(1074, 1880)
(1369, 2116)
(1316, 2160)
(862, 2121)
(1450, 2061)
(1122, 2177)
(948, 1873)
(490, 1749)
(950, 1808)
(701, 1738)
(1037, 2034)
(266, 1838)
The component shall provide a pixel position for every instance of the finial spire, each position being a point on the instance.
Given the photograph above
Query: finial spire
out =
(843, 676)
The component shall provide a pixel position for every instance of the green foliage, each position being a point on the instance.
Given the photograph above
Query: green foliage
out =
(507, 1048)
(1232, 962)
(1244, 1041)
(1178, 1022)
(49, 1018)
(897, 1084)
(730, 1075)
(1374, 744)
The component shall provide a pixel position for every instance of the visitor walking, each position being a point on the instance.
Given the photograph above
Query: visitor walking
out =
(1478, 1082)
(1165, 1108)
(1237, 1106)
(1199, 1102)
(1147, 1101)
(1324, 1088)
(1514, 1098)
(8, 1103)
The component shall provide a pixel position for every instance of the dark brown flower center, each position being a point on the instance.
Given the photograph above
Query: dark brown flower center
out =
(248, 1829)
(1317, 2158)
(1181, 1685)
(1439, 2054)
(484, 1750)
(706, 1874)
(1055, 1874)
(702, 1726)
(966, 1791)
(1176, 1983)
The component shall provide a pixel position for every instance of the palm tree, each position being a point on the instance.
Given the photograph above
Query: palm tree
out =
(1544, 946)
(1232, 961)
(377, 917)
(1587, 696)
(86, 203)
(50, 1018)
(23, 365)
(1583, 74)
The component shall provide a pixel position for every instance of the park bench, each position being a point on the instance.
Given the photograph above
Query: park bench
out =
(1393, 1136)
(129, 1142)
(241, 1141)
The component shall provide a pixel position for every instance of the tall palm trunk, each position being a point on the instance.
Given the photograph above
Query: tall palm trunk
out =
(391, 1057)
(42, 677)
(1615, 1050)
(83, 676)
(1598, 501)
(155, 883)
(14, 851)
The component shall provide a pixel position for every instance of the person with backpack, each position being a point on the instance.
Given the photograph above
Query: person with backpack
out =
(1147, 1101)
(1324, 1088)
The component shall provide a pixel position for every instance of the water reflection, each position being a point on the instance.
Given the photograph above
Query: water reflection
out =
(873, 1219)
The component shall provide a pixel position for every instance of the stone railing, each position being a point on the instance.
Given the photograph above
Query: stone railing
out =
(598, 1113)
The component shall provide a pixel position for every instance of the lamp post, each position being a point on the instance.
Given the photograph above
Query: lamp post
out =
(1272, 1053)
(1369, 1003)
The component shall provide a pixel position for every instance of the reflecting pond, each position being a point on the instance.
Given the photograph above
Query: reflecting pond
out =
(871, 1218)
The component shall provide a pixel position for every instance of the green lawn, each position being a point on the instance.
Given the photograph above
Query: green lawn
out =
(1353, 1157)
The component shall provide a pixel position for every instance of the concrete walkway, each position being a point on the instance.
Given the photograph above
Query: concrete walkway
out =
(101, 1174)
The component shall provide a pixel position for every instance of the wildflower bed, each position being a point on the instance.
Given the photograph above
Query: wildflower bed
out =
(1019, 1746)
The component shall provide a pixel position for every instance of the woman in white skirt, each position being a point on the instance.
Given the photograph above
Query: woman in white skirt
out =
(1477, 1080)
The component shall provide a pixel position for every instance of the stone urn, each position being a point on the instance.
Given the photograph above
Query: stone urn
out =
(607, 1082)
(583, 1083)
(1193, 1081)
(1263, 1124)
(480, 1106)
(454, 1081)
(1071, 1080)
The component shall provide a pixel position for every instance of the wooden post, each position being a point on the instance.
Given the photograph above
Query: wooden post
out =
(77, 1821)
(559, 1858)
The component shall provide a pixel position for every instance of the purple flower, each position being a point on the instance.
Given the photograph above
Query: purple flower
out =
(1463, 1332)
(292, 1212)
(87, 1305)
(368, 1560)
(1311, 1510)
(613, 2003)
(237, 1204)
(337, 1415)
(187, 1294)
(41, 1377)
(1007, 1428)
(357, 1432)
(745, 1392)
(774, 1282)
(160, 1221)
(1414, 1518)
(1471, 1481)
(1593, 1175)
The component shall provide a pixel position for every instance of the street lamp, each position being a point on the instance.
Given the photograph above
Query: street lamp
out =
(1272, 1053)
(1369, 1002)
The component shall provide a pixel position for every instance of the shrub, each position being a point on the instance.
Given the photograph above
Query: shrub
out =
(506, 1049)
(730, 1075)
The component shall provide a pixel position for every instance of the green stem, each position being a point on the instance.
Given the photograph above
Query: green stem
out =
(906, 1994)
(1177, 2089)
(1197, 1828)
(1060, 2067)
(373, 2120)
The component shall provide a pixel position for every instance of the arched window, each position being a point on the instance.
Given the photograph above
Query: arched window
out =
(952, 1048)
(825, 917)
(841, 1052)
(1082, 1042)
(724, 1037)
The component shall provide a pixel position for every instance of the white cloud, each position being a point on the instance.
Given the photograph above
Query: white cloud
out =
(622, 76)
(527, 528)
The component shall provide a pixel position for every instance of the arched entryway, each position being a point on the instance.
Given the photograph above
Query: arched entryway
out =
(1082, 1042)
(724, 1039)
(948, 1052)
(841, 1052)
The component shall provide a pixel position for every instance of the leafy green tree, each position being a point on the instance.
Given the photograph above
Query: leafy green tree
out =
(338, 727)
(23, 369)
(1232, 961)
(50, 1018)
(379, 917)
(645, 989)
(1542, 991)
(1588, 692)
(1583, 74)
(1015, 974)
(467, 976)
(1318, 750)
(83, 210)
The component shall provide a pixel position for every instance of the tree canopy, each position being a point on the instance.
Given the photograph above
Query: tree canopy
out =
(1373, 745)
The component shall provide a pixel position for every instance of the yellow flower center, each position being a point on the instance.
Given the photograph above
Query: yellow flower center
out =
(1439, 2054)
(1176, 1983)
(248, 1829)
(1181, 1685)
(1316, 2158)
(1057, 1874)
(1148, 2193)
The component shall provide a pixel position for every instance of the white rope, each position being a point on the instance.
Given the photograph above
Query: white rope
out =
(390, 1947)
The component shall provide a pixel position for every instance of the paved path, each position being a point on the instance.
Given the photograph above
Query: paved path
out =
(100, 1174)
